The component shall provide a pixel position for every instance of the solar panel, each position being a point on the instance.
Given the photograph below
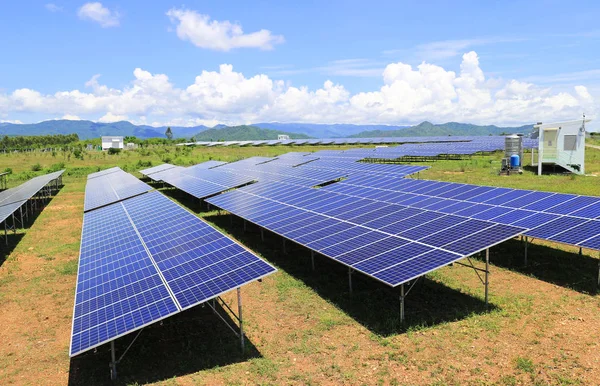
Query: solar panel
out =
(104, 172)
(146, 258)
(110, 188)
(156, 169)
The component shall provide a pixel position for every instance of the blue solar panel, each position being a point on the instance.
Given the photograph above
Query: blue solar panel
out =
(146, 258)
(483, 239)
(549, 202)
(368, 251)
(118, 287)
(112, 187)
(436, 225)
(591, 211)
(579, 233)
(392, 257)
(573, 205)
(553, 227)
(416, 267)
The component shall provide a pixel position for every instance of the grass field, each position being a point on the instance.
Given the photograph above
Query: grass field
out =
(303, 327)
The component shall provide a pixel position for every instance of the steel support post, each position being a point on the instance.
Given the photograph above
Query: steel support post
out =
(14, 224)
(350, 280)
(526, 243)
(5, 233)
(402, 303)
(244, 225)
(487, 273)
(113, 361)
(21, 211)
(284, 248)
(239, 298)
(580, 252)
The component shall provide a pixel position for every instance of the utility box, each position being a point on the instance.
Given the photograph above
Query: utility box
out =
(562, 144)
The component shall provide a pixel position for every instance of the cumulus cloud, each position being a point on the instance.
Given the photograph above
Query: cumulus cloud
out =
(407, 95)
(203, 32)
(98, 13)
(110, 117)
(71, 117)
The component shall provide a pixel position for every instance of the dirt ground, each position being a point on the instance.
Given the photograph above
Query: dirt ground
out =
(303, 327)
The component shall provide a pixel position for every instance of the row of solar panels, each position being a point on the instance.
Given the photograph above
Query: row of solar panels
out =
(210, 178)
(143, 258)
(566, 218)
(13, 198)
(356, 141)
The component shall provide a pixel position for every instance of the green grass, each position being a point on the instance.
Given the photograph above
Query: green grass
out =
(524, 364)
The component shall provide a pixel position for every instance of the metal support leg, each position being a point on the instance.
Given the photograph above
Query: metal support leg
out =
(580, 252)
(526, 243)
(21, 211)
(5, 233)
(284, 248)
(113, 361)
(312, 259)
(350, 280)
(244, 225)
(14, 224)
(487, 272)
(239, 296)
(402, 303)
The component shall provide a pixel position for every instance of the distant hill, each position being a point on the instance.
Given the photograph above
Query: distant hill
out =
(242, 133)
(89, 129)
(317, 130)
(429, 129)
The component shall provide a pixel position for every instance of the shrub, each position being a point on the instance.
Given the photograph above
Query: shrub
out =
(144, 164)
(36, 167)
(78, 154)
(8, 170)
(113, 150)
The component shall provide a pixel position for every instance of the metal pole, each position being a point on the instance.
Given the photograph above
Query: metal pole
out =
(526, 243)
(21, 211)
(284, 248)
(244, 225)
(113, 362)
(580, 252)
(14, 224)
(487, 272)
(312, 259)
(239, 296)
(402, 303)
(5, 233)
(350, 279)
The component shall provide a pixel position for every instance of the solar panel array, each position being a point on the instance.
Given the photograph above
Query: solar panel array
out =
(202, 183)
(111, 187)
(156, 169)
(448, 145)
(13, 198)
(146, 258)
(389, 242)
(566, 218)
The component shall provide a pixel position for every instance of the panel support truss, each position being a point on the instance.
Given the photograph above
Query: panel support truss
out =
(113, 355)
(213, 305)
(219, 301)
(486, 272)
(404, 294)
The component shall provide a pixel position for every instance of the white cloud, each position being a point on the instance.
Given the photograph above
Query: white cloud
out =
(110, 117)
(15, 121)
(96, 12)
(71, 117)
(407, 95)
(53, 7)
(218, 35)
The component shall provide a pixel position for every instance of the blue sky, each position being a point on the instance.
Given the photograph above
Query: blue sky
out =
(313, 61)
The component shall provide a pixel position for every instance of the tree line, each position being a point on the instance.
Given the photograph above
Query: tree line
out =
(36, 141)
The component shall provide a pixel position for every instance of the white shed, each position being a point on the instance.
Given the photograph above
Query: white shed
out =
(283, 137)
(562, 144)
(112, 141)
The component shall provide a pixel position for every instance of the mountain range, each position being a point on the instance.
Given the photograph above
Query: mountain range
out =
(89, 129)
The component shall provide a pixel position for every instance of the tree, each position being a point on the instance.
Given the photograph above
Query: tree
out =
(169, 133)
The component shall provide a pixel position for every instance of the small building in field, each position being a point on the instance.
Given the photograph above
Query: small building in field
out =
(562, 144)
(283, 137)
(112, 141)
